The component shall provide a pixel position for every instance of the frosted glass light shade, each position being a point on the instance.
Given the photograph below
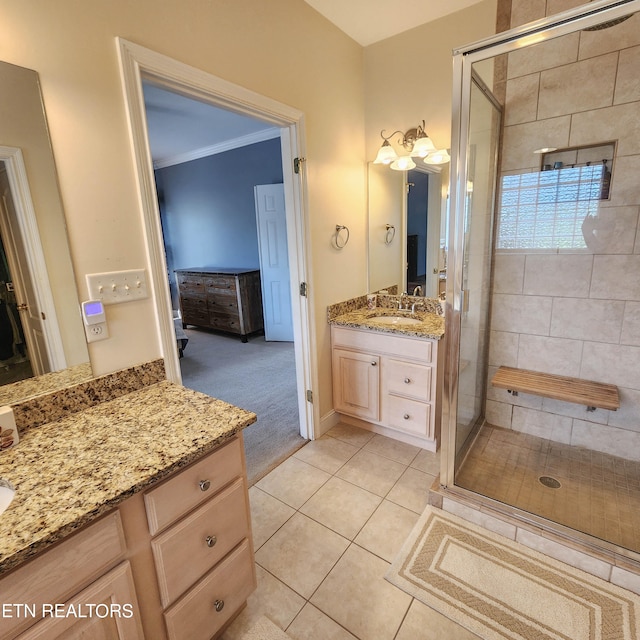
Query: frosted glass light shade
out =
(403, 163)
(386, 154)
(423, 147)
(440, 156)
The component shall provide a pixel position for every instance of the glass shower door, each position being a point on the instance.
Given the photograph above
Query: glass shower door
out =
(475, 271)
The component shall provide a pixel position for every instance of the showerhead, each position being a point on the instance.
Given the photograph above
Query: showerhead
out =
(609, 23)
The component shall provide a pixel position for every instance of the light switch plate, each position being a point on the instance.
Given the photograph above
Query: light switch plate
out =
(118, 286)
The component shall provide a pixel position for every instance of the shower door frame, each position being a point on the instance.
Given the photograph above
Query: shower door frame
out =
(463, 61)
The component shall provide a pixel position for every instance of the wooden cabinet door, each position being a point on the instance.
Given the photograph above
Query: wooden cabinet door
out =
(356, 384)
(105, 610)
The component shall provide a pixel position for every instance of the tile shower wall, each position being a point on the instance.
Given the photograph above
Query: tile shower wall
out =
(574, 313)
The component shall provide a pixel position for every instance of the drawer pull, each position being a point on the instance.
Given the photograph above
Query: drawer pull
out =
(407, 380)
(406, 416)
(219, 605)
(211, 541)
(204, 485)
(374, 363)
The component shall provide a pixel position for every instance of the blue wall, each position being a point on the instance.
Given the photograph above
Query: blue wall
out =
(208, 210)
(417, 202)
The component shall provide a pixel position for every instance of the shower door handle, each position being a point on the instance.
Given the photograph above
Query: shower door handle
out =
(464, 300)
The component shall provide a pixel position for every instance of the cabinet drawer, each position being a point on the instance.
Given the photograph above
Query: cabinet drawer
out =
(194, 616)
(193, 546)
(227, 305)
(191, 284)
(224, 284)
(408, 415)
(383, 344)
(115, 591)
(192, 486)
(408, 379)
(56, 575)
(224, 323)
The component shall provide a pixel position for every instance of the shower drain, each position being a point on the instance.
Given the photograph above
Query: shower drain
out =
(550, 482)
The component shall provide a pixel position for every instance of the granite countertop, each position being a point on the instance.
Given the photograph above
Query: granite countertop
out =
(431, 325)
(70, 471)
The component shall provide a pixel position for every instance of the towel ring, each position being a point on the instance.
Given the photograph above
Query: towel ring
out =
(390, 235)
(337, 239)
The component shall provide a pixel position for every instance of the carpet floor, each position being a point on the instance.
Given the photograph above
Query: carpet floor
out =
(259, 376)
(500, 589)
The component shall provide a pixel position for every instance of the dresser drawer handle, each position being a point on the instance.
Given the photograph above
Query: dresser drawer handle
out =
(219, 605)
(204, 485)
(407, 416)
(211, 541)
(407, 380)
(374, 363)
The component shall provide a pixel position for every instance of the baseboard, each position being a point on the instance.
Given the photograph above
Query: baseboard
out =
(327, 422)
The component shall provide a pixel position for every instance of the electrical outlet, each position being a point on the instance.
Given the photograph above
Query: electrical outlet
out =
(118, 286)
(96, 332)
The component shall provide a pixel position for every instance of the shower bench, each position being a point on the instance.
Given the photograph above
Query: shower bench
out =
(595, 395)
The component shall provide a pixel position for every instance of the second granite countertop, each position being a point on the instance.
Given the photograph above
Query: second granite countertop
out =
(430, 325)
(69, 472)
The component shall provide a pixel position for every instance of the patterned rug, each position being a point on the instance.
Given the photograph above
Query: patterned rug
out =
(499, 589)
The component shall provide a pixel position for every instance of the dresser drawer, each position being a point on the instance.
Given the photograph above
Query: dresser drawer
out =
(409, 415)
(194, 616)
(62, 571)
(408, 379)
(192, 486)
(221, 284)
(193, 546)
(191, 284)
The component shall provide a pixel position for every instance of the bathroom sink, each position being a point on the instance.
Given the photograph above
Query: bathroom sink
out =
(393, 320)
(7, 491)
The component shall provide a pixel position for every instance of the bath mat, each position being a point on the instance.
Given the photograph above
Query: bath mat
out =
(264, 629)
(497, 588)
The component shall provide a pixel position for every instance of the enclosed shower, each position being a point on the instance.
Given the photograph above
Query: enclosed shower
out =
(544, 276)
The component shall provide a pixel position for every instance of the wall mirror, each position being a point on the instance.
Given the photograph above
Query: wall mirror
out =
(406, 215)
(40, 326)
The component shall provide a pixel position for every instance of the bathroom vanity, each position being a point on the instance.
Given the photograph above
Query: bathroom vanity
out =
(131, 520)
(385, 372)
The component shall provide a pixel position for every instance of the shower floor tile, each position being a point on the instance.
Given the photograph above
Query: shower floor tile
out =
(599, 494)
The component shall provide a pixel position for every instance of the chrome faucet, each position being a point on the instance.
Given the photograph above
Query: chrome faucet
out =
(417, 291)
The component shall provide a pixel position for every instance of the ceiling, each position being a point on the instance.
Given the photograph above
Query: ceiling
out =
(182, 129)
(368, 21)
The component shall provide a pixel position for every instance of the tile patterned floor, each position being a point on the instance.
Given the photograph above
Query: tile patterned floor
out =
(327, 523)
(599, 493)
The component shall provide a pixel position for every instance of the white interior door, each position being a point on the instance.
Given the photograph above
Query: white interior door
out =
(28, 307)
(274, 262)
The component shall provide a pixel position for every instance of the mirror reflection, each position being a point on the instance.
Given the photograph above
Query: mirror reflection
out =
(40, 326)
(406, 211)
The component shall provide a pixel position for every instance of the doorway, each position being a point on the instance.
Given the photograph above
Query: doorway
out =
(140, 64)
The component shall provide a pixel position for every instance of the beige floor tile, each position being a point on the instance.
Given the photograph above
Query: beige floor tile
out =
(427, 624)
(268, 514)
(273, 599)
(353, 435)
(326, 453)
(341, 506)
(372, 472)
(412, 490)
(386, 530)
(312, 624)
(393, 449)
(356, 595)
(301, 553)
(293, 482)
(427, 462)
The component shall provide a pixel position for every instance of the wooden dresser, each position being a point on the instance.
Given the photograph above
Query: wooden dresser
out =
(223, 299)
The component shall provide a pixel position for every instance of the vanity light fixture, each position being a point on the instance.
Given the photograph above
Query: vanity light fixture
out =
(417, 143)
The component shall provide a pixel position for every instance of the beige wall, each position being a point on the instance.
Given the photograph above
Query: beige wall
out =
(574, 313)
(282, 49)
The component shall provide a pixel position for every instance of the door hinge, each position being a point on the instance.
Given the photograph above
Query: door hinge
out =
(310, 396)
(296, 164)
(303, 289)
